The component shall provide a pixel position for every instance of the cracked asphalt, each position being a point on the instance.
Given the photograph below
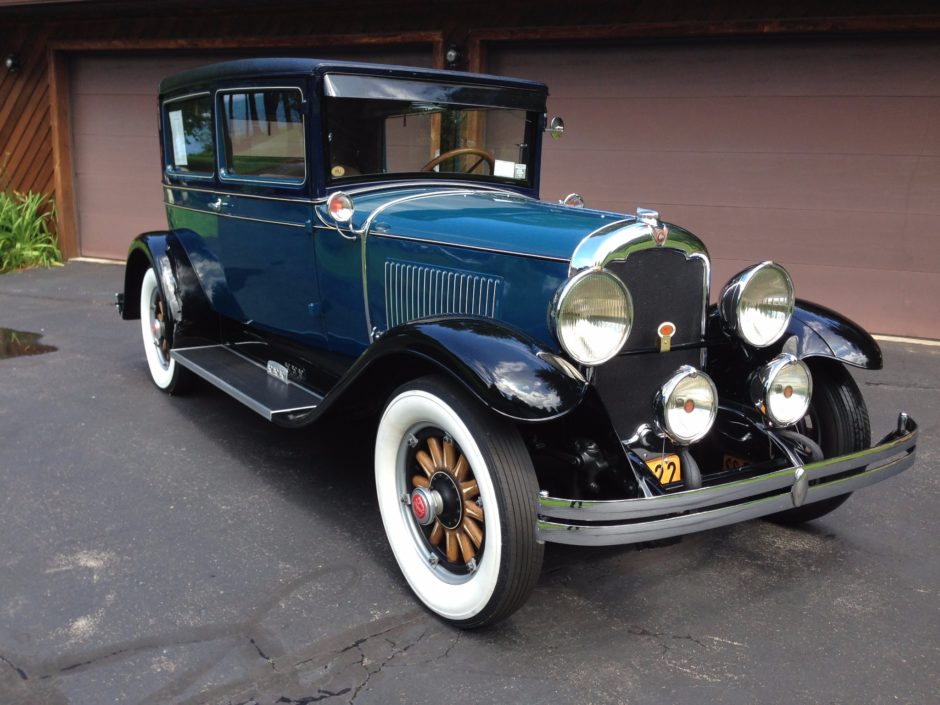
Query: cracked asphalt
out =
(158, 549)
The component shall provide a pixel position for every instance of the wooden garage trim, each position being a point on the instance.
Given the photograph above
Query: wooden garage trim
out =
(477, 39)
(59, 55)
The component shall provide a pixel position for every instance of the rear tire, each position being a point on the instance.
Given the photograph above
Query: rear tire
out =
(475, 560)
(837, 421)
(156, 329)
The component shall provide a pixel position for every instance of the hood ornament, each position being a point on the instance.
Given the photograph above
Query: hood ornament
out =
(660, 231)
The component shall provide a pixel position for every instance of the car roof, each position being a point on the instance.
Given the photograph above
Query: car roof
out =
(283, 67)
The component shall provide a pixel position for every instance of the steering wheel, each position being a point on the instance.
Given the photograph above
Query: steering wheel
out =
(483, 155)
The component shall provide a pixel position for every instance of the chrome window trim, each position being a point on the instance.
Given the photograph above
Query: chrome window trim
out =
(284, 183)
(169, 170)
(237, 217)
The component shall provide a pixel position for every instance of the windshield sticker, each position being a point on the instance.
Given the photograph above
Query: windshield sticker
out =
(504, 169)
(519, 172)
(179, 138)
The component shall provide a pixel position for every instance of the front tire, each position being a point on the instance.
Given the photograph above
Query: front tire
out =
(475, 559)
(837, 421)
(155, 328)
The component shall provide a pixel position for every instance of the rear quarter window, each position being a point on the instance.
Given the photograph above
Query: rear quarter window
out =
(188, 127)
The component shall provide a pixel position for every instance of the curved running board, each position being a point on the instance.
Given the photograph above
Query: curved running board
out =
(247, 381)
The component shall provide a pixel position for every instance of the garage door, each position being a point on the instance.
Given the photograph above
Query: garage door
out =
(824, 156)
(115, 146)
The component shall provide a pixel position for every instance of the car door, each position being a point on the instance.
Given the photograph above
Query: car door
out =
(265, 245)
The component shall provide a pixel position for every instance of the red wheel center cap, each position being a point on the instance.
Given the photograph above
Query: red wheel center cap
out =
(420, 507)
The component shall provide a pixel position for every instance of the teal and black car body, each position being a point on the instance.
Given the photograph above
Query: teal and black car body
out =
(353, 239)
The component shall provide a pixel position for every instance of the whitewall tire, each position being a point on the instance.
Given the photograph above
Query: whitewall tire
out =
(458, 498)
(155, 328)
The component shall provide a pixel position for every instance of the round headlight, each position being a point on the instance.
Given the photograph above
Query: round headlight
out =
(593, 314)
(756, 304)
(686, 405)
(782, 389)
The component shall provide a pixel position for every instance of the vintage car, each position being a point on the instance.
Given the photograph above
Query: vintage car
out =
(348, 238)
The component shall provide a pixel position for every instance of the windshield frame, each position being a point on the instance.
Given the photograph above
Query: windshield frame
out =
(447, 95)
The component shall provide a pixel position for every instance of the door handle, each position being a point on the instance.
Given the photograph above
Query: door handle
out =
(217, 205)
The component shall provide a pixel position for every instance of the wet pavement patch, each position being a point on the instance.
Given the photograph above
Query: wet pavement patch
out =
(15, 343)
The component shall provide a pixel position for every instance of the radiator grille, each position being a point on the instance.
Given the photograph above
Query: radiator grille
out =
(415, 291)
(665, 287)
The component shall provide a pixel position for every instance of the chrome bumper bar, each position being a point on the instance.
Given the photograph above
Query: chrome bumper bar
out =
(624, 521)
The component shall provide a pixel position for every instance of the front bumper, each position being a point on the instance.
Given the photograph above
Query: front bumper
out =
(624, 521)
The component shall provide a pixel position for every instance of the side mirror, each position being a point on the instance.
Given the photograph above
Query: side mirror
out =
(556, 127)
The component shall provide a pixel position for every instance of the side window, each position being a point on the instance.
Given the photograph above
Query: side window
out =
(263, 134)
(189, 144)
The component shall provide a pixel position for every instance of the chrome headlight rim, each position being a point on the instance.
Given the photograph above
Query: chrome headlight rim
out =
(559, 300)
(733, 298)
(762, 383)
(665, 395)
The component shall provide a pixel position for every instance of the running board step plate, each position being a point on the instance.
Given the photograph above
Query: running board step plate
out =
(246, 380)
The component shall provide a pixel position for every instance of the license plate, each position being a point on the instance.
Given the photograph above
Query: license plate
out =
(666, 468)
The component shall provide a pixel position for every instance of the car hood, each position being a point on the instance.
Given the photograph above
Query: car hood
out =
(469, 217)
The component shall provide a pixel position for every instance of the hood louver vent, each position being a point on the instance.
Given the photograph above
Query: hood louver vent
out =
(413, 291)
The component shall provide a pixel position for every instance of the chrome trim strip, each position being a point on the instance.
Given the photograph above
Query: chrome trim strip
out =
(609, 244)
(547, 258)
(238, 217)
(432, 183)
(709, 507)
(216, 192)
(284, 183)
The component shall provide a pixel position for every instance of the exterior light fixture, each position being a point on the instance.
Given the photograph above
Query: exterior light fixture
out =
(452, 56)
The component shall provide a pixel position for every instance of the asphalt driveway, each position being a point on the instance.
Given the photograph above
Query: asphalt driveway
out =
(159, 549)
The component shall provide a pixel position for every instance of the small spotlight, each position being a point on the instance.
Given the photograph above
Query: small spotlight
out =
(452, 56)
(12, 63)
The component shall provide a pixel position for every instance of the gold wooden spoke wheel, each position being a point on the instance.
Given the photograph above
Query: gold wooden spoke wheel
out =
(445, 501)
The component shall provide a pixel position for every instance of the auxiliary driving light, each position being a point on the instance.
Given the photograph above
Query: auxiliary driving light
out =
(782, 389)
(686, 405)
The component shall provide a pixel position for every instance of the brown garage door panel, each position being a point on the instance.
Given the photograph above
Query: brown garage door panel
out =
(873, 183)
(765, 67)
(813, 125)
(824, 155)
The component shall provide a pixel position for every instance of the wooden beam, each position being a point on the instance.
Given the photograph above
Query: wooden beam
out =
(306, 41)
(60, 116)
(666, 30)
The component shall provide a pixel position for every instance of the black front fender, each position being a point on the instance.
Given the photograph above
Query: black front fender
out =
(821, 332)
(511, 373)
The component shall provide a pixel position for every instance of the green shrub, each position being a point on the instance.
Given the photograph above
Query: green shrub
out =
(25, 237)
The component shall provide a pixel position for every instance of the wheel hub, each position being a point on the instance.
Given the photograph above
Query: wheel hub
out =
(426, 505)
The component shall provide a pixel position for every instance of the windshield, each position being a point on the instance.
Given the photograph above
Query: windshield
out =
(367, 137)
